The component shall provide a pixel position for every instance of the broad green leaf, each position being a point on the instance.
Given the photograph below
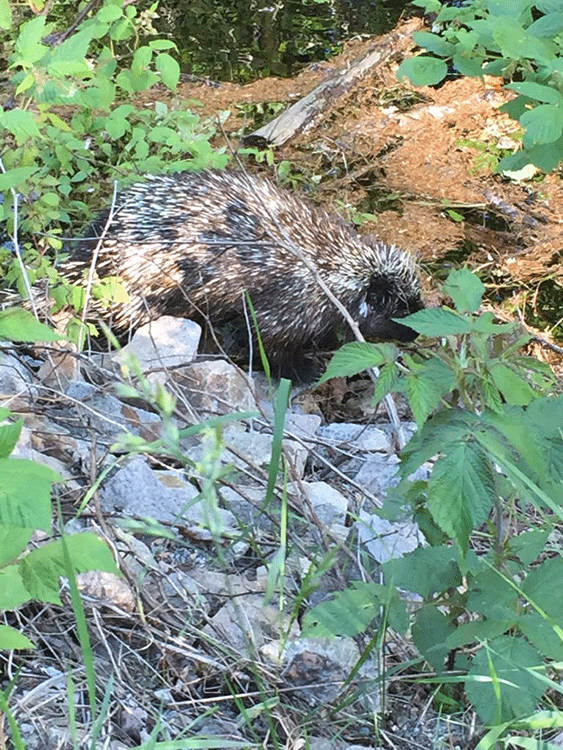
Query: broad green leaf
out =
(358, 356)
(461, 490)
(437, 322)
(17, 324)
(537, 91)
(387, 382)
(543, 587)
(12, 639)
(168, 69)
(466, 290)
(546, 156)
(477, 631)
(426, 387)
(492, 596)
(541, 633)
(15, 178)
(13, 541)
(13, 593)
(433, 43)
(512, 386)
(422, 70)
(529, 545)
(425, 571)
(508, 661)
(469, 64)
(544, 124)
(549, 25)
(429, 632)
(42, 568)
(9, 436)
(25, 493)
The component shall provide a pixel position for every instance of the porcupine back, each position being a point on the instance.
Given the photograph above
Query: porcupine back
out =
(191, 243)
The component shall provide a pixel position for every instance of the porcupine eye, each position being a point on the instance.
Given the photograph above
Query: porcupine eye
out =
(385, 300)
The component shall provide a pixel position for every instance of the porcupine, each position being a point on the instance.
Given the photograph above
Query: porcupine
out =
(190, 244)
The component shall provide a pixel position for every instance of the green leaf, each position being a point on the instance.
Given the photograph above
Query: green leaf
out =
(387, 382)
(12, 591)
(15, 178)
(25, 493)
(546, 156)
(433, 43)
(9, 436)
(549, 25)
(429, 632)
(422, 70)
(508, 662)
(529, 545)
(536, 91)
(13, 541)
(512, 386)
(425, 571)
(466, 290)
(42, 568)
(168, 69)
(437, 322)
(17, 324)
(461, 490)
(478, 630)
(492, 596)
(543, 587)
(12, 639)
(358, 356)
(426, 386)
(5, 14)
(350, 612)
(544, 124)
(542, 635)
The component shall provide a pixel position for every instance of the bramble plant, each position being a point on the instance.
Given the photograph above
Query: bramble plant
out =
(494, 437)
(521, 41)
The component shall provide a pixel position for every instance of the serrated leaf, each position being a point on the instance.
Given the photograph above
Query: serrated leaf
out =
(461, 490)
(509, 662)
(426, 387)
(357, 357)
(12, 639)
(348, 613)
(17, 324)
(437, 322)
(492, 596)
(43, 567)
(477, 631)
(15, 178)
(422, 70)
(466, 290)
(387, 382)
(529, 545)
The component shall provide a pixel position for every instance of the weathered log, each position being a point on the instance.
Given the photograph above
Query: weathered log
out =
(308, 111)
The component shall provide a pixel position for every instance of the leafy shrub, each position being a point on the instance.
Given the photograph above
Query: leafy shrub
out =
(76, 127)
(493, 433)
(25, 505)
(521, 41)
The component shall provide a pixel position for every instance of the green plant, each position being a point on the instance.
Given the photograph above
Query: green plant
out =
(25, 505)
(521, 41)
(76, 128)
(494, 437)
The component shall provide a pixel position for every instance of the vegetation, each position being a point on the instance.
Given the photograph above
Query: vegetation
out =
(521, 41)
